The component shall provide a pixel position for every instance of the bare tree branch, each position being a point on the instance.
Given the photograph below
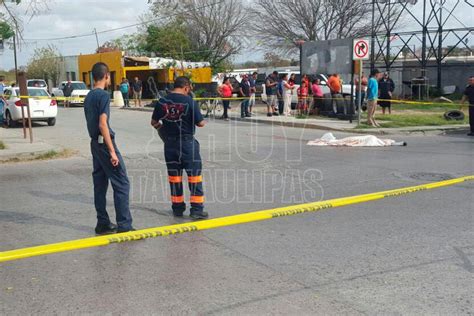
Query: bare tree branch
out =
(282, 23)
(214, 26)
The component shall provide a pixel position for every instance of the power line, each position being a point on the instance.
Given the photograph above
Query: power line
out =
(117, 28)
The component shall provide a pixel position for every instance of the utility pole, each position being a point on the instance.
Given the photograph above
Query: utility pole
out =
(389, 39)
(440, 45)
(372, 39)
(423, 42)
(97, 39)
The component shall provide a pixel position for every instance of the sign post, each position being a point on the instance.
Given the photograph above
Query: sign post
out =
(360, 52)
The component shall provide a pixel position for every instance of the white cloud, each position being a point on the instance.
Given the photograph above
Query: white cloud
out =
(72, 17)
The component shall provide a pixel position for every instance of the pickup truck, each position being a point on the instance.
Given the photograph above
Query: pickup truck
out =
(78, 94)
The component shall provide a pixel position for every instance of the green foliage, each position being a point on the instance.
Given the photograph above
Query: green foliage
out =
(170, 40)
(200, 93)
(223, 66)
(44, 64)
(6, 30)
(132, 44)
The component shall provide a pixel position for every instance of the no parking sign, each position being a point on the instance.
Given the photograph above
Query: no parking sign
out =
(360, 50)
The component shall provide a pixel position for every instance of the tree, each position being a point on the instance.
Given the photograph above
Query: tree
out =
(109, 46)
(281, 24)
(6, 31)
(131, 44)
(32, 8)
(274, 60)
(44, 64)
(170, 40)
(213, 26)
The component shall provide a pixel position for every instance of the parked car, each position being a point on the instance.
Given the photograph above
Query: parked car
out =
(37, 83)
(78, 94)
(42, 107)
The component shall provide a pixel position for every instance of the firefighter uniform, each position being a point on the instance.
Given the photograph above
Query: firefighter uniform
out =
(97, 103)
(179, 115)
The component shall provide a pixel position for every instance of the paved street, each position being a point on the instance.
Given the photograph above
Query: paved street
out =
(408, 255)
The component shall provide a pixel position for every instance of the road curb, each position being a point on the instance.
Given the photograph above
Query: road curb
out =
(23, 156)
(384, 131)
(287, 124)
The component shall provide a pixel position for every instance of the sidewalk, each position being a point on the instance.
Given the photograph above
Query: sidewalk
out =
(18, 147)
(343, 126)
(329, 124)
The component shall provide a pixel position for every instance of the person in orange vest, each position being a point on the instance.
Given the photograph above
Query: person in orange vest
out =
(334, 83)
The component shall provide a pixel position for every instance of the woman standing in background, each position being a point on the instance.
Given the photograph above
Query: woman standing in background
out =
(225, 91)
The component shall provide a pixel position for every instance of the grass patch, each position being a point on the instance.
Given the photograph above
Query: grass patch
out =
(302, 116)
(2, 145)
(431, 107)
(49, 155)
(412, 120)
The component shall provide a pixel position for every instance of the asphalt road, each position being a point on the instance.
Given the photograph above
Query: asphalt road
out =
(408, 255)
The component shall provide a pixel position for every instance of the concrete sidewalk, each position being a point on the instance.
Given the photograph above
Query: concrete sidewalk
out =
(330, 124)
(18, 147)
(343, 126)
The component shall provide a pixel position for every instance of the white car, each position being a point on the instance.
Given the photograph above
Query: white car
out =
(42, 107)
(37, 83)
(79, 92)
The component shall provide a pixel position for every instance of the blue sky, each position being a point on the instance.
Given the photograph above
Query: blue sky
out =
(71, 17)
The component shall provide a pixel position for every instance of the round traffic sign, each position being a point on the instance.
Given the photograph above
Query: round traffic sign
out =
(361, 49)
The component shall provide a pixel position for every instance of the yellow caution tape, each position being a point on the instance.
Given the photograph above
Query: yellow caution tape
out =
(247, 98)
(219, 222)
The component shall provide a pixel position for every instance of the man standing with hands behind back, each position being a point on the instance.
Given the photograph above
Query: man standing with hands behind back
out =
(107, 161)
(176, 117)
(137, 87)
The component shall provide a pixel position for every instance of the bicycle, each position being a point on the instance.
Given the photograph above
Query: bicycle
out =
(212, 106)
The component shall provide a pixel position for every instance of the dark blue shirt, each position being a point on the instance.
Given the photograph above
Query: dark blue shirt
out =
(179, 115)
(245, 86)
(271, 90)
(252, 82)
(280, 87)
(97, 102)
(469, 93)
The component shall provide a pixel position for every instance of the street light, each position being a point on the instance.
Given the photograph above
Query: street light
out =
(300, 45)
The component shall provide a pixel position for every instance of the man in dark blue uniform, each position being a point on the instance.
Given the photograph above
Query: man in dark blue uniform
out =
(107, 161)
(469, 96)
(176, 117)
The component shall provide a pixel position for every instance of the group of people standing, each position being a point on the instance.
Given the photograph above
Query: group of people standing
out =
(379, 89)
(136, 88)
(247, 89)
(281, 88)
